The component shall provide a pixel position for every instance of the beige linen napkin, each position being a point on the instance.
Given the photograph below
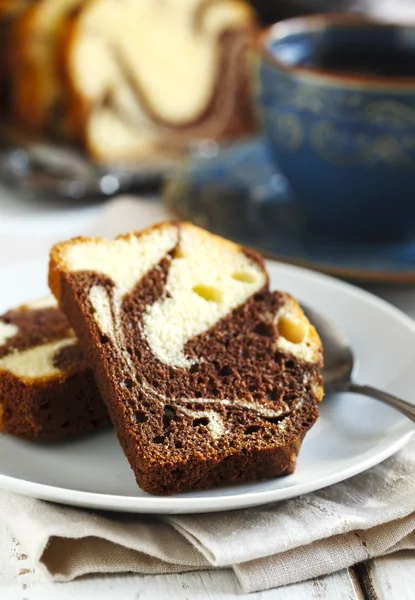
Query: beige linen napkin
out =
(369, 515)
(270, 546)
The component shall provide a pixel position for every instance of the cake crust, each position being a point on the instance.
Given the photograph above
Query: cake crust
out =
(228, 400)
(39, 87)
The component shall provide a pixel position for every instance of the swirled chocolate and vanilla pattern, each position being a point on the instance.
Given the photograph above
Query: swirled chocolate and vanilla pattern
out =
(136, 93)
(208, 376)
(47, 390)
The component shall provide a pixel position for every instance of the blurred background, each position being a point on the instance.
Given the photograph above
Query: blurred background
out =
(160, 99)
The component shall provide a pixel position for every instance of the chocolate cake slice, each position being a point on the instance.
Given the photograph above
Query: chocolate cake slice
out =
(47, 390)
(209, 377)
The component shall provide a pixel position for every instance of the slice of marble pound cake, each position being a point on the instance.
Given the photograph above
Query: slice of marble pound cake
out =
(170, 73)
(208, 376)
(47, 390)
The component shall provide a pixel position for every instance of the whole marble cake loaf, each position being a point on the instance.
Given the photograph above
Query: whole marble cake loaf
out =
(209, 377)
(47, 390)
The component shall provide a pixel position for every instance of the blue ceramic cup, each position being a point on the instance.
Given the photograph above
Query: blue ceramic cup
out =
(337, 97)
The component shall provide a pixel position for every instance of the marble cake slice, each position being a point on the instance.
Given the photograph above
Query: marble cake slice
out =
(209, 378)
(47, 389)
(169, 73)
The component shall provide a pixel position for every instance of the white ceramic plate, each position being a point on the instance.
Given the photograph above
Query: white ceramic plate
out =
(352, 434)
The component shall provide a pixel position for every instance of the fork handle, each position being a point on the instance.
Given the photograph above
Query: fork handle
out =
(367, 390)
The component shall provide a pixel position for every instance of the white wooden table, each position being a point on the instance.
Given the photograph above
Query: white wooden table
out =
(28, 229)
(382, 579)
